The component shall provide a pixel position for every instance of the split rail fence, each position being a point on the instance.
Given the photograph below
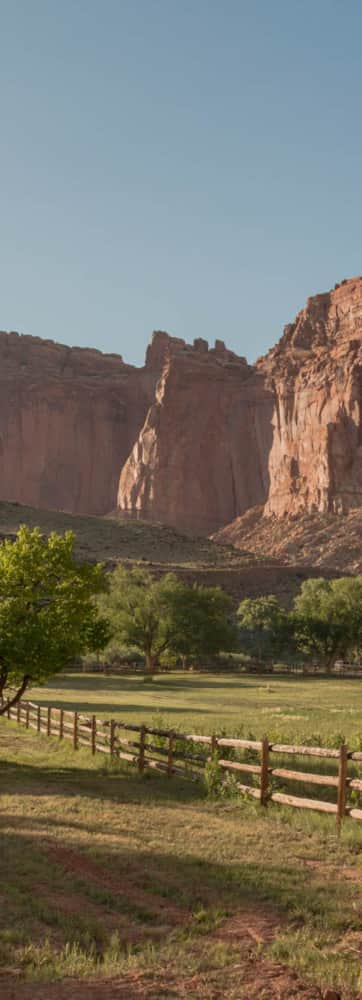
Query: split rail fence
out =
(187, 755)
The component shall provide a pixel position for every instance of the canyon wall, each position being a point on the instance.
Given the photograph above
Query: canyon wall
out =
(314, 372)
(68, 420)
(222, 436)
(195, 437)
(202, 454)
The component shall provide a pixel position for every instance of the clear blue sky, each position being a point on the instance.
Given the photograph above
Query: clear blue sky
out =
(188, 165)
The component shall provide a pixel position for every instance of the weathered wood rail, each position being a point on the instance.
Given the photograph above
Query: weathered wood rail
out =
(188, 754)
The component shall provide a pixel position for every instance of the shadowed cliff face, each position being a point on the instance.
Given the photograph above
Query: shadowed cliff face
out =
(68, 420)
(197, 436)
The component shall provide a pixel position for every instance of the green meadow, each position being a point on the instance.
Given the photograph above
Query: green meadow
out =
(292, 708)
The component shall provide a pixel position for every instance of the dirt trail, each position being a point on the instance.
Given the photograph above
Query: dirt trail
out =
(87, 869)
(252, 980)
(249, 976)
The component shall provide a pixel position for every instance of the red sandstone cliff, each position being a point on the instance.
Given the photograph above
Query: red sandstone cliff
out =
(222, 437)
(68, 420)
(315, 372)
(202, 454)
(197, 436)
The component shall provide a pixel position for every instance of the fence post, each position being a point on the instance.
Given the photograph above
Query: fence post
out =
(264, 773)
(61, 724)
(18, 718)
(27, 710)
(75, 731)
(94, 733)
(38, 719)
(8, 710)
(171, 740)
(112, 746)
(141, 755)
(49, 720)
(342, 785)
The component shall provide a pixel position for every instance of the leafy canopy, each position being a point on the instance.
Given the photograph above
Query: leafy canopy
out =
(48, 614)
(165, 616)
(264, 626)
(327, 617)
(325, 620)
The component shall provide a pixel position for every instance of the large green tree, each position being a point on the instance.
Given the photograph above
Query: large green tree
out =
(327, 618)
(48, 610)
(165, 617)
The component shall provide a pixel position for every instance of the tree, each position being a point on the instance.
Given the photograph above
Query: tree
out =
(327, 618)
(264, 625)
(48, 612)
(160, 617)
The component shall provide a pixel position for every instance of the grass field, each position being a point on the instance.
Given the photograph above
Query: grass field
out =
(159, 892)
(294, 708)
(121, 886)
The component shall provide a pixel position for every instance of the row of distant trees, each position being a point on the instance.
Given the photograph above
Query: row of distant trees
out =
(323, 625)
(53, 609)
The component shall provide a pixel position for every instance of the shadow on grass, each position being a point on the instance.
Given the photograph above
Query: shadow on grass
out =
(119, 709)
(106, 781)
(192, 883)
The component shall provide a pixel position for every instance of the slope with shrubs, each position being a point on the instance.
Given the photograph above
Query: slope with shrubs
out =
(325, 541)
(113, 540)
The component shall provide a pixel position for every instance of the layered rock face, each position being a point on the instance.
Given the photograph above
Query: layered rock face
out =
(202, 453)
(315, 372)
(222, 436)
(68, 420)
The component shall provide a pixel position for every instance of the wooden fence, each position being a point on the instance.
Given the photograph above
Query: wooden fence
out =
(187, 755)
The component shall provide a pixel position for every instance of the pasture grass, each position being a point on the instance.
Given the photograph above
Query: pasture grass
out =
(294, 709)
(104, 872)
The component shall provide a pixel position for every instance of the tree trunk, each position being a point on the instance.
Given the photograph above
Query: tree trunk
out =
(332, 659)
(151, 663)
(19, 694)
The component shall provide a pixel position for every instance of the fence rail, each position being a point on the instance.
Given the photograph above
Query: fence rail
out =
(188, 754)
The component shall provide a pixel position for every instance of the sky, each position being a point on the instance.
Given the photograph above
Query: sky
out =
(193, 166)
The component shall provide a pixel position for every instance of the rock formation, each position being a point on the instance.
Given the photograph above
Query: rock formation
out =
(315, 373)
(202, 454)
(223, 436)
(68, 420)
(197, 436)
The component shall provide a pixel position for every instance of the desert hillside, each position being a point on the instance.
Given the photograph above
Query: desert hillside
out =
(160, 548)
(324, 541)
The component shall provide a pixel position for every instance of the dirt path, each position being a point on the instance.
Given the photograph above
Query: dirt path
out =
(123, 886)
(252, 980)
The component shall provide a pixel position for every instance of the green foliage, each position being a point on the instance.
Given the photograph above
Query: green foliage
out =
(165, 617)
(48, 614)
(213, 776)
(327, 617)
(264, 624)
(325, 622)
